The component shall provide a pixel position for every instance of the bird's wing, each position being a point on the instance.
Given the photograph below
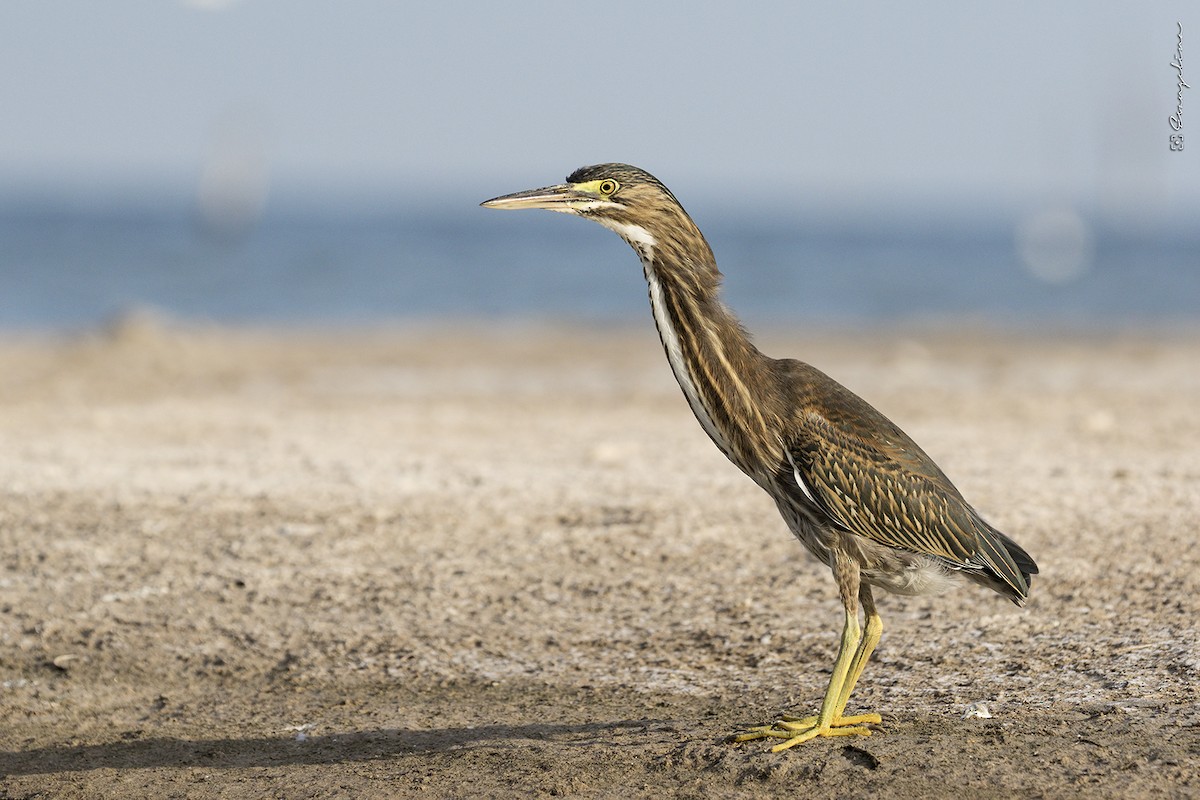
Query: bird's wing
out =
(868, 477)
(882, 486)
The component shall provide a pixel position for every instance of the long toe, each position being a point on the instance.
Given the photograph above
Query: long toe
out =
(796, 730)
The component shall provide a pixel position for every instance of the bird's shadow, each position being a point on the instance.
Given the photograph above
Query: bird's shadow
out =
(334, 748)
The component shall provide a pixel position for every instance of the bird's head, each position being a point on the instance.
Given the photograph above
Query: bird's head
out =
(626, 199)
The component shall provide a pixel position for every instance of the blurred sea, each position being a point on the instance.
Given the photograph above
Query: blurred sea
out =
(73, 268)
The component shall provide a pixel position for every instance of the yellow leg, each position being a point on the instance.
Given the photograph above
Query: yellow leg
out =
(866, 645)
(856, 647)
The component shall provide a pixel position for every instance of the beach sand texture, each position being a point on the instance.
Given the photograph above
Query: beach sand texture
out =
(427, 562)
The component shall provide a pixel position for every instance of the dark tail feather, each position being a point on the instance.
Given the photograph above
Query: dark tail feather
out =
(1008, 560)
(1023, 560)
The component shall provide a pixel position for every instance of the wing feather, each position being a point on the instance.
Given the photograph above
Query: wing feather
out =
(868, 477)
(889, 494)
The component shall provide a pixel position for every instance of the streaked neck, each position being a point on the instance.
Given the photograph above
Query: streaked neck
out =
(722, 374)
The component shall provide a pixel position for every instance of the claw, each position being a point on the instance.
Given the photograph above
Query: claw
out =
(797, 730)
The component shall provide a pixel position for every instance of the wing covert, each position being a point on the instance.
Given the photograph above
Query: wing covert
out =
(885, 489)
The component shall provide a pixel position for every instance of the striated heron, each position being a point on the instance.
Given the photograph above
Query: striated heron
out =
(854, 488)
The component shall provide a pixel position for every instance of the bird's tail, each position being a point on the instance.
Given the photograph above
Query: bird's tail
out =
(1008, 562)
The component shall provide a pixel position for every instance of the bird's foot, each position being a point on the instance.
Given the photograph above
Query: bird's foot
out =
(796, 730)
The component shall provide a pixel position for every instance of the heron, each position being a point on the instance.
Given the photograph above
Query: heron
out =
(857, 492)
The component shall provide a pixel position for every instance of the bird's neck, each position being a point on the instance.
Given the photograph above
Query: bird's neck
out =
(726, 380)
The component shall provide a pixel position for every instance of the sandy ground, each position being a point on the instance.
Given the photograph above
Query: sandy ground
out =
(416, 563)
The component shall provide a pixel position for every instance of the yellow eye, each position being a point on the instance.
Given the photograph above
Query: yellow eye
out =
(608, 186)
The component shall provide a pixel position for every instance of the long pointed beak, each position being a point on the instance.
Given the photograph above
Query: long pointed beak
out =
(556, 198)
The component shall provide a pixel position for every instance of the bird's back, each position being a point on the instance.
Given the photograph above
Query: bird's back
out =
(856, 469)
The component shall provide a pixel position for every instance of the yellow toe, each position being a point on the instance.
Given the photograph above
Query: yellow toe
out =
(797, 730)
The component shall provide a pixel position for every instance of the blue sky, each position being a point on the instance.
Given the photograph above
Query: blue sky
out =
(847, 105)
